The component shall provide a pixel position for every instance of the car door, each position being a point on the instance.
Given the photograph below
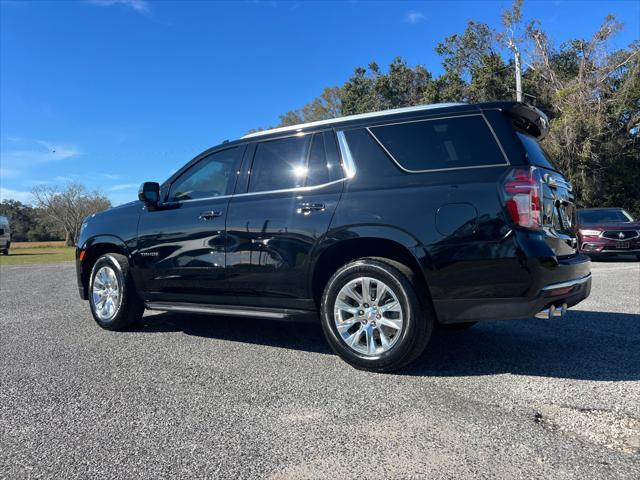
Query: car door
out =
(181, 244)
(293, 187)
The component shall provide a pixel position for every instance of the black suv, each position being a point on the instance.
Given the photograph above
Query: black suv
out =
(381, 224)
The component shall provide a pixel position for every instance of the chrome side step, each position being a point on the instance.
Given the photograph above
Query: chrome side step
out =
(228, 310)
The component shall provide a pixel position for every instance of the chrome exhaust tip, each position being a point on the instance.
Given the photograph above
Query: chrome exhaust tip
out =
(553, 312)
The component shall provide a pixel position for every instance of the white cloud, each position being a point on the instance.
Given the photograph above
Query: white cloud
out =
(110, 176)
(63, 179)
(33, 152)
(123, 186)
(8, 194)
(413, 17)
(59, 151)
(9, 173)
(140, 6)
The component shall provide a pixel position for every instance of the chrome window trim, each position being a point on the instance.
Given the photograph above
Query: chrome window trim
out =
(348, 164)
(407, 170)
(346, 159)
(284, 190)
(294, 189)
(361, 116)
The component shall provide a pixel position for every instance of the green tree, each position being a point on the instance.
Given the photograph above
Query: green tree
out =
(66, 208)
(28, 223)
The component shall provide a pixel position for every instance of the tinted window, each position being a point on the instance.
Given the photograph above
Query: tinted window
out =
(280, 164)
(444, 143)
(336, 172)
(603, 216)
(318, 172)
(535, 154)
(210, 177)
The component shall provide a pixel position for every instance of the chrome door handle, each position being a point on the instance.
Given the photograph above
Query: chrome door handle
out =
(307, 208)
(209, 215)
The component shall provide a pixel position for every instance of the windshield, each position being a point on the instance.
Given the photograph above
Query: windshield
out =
(603, 216)
(535, 153)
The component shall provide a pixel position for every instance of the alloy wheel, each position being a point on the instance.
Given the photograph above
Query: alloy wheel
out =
(368, 316)
(106, 293)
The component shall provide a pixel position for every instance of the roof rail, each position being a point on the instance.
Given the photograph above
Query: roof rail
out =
(348, 118)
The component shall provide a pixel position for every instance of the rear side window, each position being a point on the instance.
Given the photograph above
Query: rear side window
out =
(318, 172)
(280, 164)
(457, 142)
(535, 153)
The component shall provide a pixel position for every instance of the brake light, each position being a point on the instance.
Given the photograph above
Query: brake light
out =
(521, 189)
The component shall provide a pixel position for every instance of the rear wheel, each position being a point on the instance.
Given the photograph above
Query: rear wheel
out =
(5, 251)
(114, 302)
(372, 316)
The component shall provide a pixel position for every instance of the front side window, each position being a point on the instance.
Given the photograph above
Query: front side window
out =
(280, 164)
(457, 142)
(210, 177)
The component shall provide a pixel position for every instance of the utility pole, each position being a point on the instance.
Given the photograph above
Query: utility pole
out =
(512, 21)
(516, 55)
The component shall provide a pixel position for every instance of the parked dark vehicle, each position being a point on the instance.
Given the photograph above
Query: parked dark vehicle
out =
(381, 224)
(5, 235)
(608, 232)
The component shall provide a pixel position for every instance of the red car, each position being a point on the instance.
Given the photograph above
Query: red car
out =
(608, 231)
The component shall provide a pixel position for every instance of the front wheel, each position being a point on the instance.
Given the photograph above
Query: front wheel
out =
(114, 302)
(5, 251)
(372, 316)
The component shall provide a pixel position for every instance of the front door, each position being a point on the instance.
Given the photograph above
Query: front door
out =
(181, 244)
(293, 189)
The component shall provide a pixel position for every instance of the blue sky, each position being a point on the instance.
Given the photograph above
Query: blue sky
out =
(111, 93)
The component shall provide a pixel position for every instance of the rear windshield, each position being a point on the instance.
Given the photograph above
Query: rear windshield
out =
(603, 216)
(535, 153)
(455, 142)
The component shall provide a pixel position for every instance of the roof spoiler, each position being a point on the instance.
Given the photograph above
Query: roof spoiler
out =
(528, 118)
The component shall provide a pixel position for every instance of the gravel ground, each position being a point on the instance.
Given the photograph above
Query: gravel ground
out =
(191, 396)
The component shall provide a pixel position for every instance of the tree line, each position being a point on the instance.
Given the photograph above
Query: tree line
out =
(57, 213)
(590, 92)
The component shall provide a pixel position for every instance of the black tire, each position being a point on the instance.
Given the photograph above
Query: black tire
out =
(5, 251)
(455, 327)
(129, 307)
(418, 315)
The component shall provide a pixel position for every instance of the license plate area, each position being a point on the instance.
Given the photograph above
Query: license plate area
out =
(623, 245)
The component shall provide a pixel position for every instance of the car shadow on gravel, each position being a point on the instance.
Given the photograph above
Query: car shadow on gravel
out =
(586, 345)
(292, 335)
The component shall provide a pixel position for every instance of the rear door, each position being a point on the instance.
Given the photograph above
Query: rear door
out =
(558, 201)
(292, 189)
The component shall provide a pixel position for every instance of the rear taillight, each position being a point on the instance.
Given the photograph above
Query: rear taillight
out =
(521, 190)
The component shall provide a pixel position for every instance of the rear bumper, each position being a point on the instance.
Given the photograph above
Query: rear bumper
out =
(568, 282)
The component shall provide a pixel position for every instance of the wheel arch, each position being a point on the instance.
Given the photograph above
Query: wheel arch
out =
(94, 248)
(344, 246)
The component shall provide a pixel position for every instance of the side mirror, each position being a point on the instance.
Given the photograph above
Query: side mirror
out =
(149, 193)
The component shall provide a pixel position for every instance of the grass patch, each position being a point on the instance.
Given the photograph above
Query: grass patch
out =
(34, 255)
(52, 243)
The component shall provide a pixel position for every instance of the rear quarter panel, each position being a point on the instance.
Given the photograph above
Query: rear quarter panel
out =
(475, 256)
